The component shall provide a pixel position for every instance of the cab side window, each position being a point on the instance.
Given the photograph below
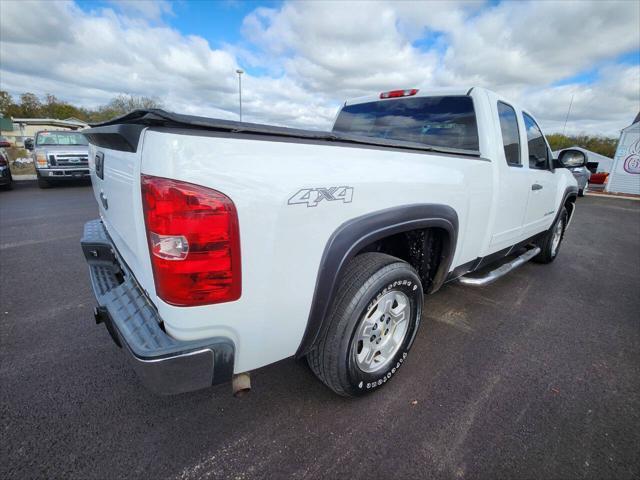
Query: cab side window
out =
(538, 152)
(510, 134)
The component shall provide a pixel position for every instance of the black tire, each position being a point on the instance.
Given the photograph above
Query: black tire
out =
(581, 192)
(43, 182)
(548, 254)
(367, 277)
(9, 185)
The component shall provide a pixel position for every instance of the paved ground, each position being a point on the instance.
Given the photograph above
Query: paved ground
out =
(537, 376)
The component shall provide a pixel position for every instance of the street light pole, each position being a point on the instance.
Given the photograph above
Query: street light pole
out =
(567, 117)
(240, 72)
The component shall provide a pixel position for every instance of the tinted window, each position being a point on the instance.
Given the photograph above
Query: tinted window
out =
(61, 138)
(435, 121)
(538, 152)
(510, 135)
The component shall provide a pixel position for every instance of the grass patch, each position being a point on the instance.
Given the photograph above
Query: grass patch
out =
(13, 153)
(19, 168)
(22, 168)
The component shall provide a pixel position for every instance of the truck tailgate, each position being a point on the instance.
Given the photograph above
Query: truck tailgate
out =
(117, 192)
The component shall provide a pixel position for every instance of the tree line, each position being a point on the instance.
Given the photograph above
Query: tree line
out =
(603, 145)
(29, 105)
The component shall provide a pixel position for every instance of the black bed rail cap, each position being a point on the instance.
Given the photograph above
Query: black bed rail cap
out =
(137, 120)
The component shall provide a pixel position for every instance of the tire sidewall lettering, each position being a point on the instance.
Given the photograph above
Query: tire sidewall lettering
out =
(367, 382)
(389, 287)
(383, 378)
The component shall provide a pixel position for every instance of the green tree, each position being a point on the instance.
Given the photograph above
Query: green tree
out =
(6, 102)
(603, 145)
(30, 105)
(54, 108)
(123, 104)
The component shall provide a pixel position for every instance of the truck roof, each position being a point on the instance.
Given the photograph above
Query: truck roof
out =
(422, 92)
(57, 131)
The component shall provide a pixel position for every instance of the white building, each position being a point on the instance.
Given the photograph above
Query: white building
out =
(22, 128)
(625, 173)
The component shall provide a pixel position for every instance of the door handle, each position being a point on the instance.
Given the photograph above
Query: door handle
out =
(103, 199)
(100, 165)
(536, 186)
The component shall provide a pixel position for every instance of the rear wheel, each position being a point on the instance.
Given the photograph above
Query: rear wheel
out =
(550, 244)
(372, 324)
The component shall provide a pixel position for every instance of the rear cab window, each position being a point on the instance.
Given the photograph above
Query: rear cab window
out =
(539, 155)
(510, 134)
(439, 121)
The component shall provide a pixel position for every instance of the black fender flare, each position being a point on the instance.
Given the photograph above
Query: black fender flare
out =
(569, 192)
(355, 234)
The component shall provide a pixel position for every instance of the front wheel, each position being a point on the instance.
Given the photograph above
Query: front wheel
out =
(550, 243)
(372, 324)
(583, 191)
(43, 182)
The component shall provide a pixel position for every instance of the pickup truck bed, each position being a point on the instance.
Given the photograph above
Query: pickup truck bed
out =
(123, 133)
(296, 210)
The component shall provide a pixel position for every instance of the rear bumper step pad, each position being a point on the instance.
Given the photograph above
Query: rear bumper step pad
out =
(164, 364)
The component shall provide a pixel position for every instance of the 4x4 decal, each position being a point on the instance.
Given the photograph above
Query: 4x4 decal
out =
(312, 196)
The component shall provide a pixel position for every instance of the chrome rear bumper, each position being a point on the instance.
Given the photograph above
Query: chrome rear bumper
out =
(165, 365)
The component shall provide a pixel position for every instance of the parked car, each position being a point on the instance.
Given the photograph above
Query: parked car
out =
(582, 176)
(598, 178)
(224, 246)
(4, 142)
(60, 155)
(6, 180)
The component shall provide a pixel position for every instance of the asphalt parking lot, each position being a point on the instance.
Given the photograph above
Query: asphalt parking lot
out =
(536, 376)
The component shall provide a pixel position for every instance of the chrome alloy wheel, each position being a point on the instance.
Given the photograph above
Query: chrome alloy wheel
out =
(557, 236)
(382, 332)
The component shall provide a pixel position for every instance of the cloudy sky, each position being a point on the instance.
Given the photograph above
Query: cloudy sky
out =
(303, 58)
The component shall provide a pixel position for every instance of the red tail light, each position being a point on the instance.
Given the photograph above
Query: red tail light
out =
(399, 93)
(194, 242)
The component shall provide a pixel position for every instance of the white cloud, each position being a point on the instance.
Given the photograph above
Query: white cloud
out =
(604, 107)
(150, 10)
(351, 49)
(523, 43)
(520, 49)
(110, 53)
(316, 54)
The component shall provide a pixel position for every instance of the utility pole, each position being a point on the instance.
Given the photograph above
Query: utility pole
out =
(240, 72)
(567, 117)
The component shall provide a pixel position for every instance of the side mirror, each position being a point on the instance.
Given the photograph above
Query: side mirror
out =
(28, 143)
(572, 158)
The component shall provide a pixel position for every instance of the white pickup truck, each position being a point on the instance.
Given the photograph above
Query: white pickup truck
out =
(223, 246)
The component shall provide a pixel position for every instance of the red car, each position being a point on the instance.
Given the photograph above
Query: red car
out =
(4, 142)
(598, 178)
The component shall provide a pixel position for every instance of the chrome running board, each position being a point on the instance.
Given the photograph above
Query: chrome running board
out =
(494, 275)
